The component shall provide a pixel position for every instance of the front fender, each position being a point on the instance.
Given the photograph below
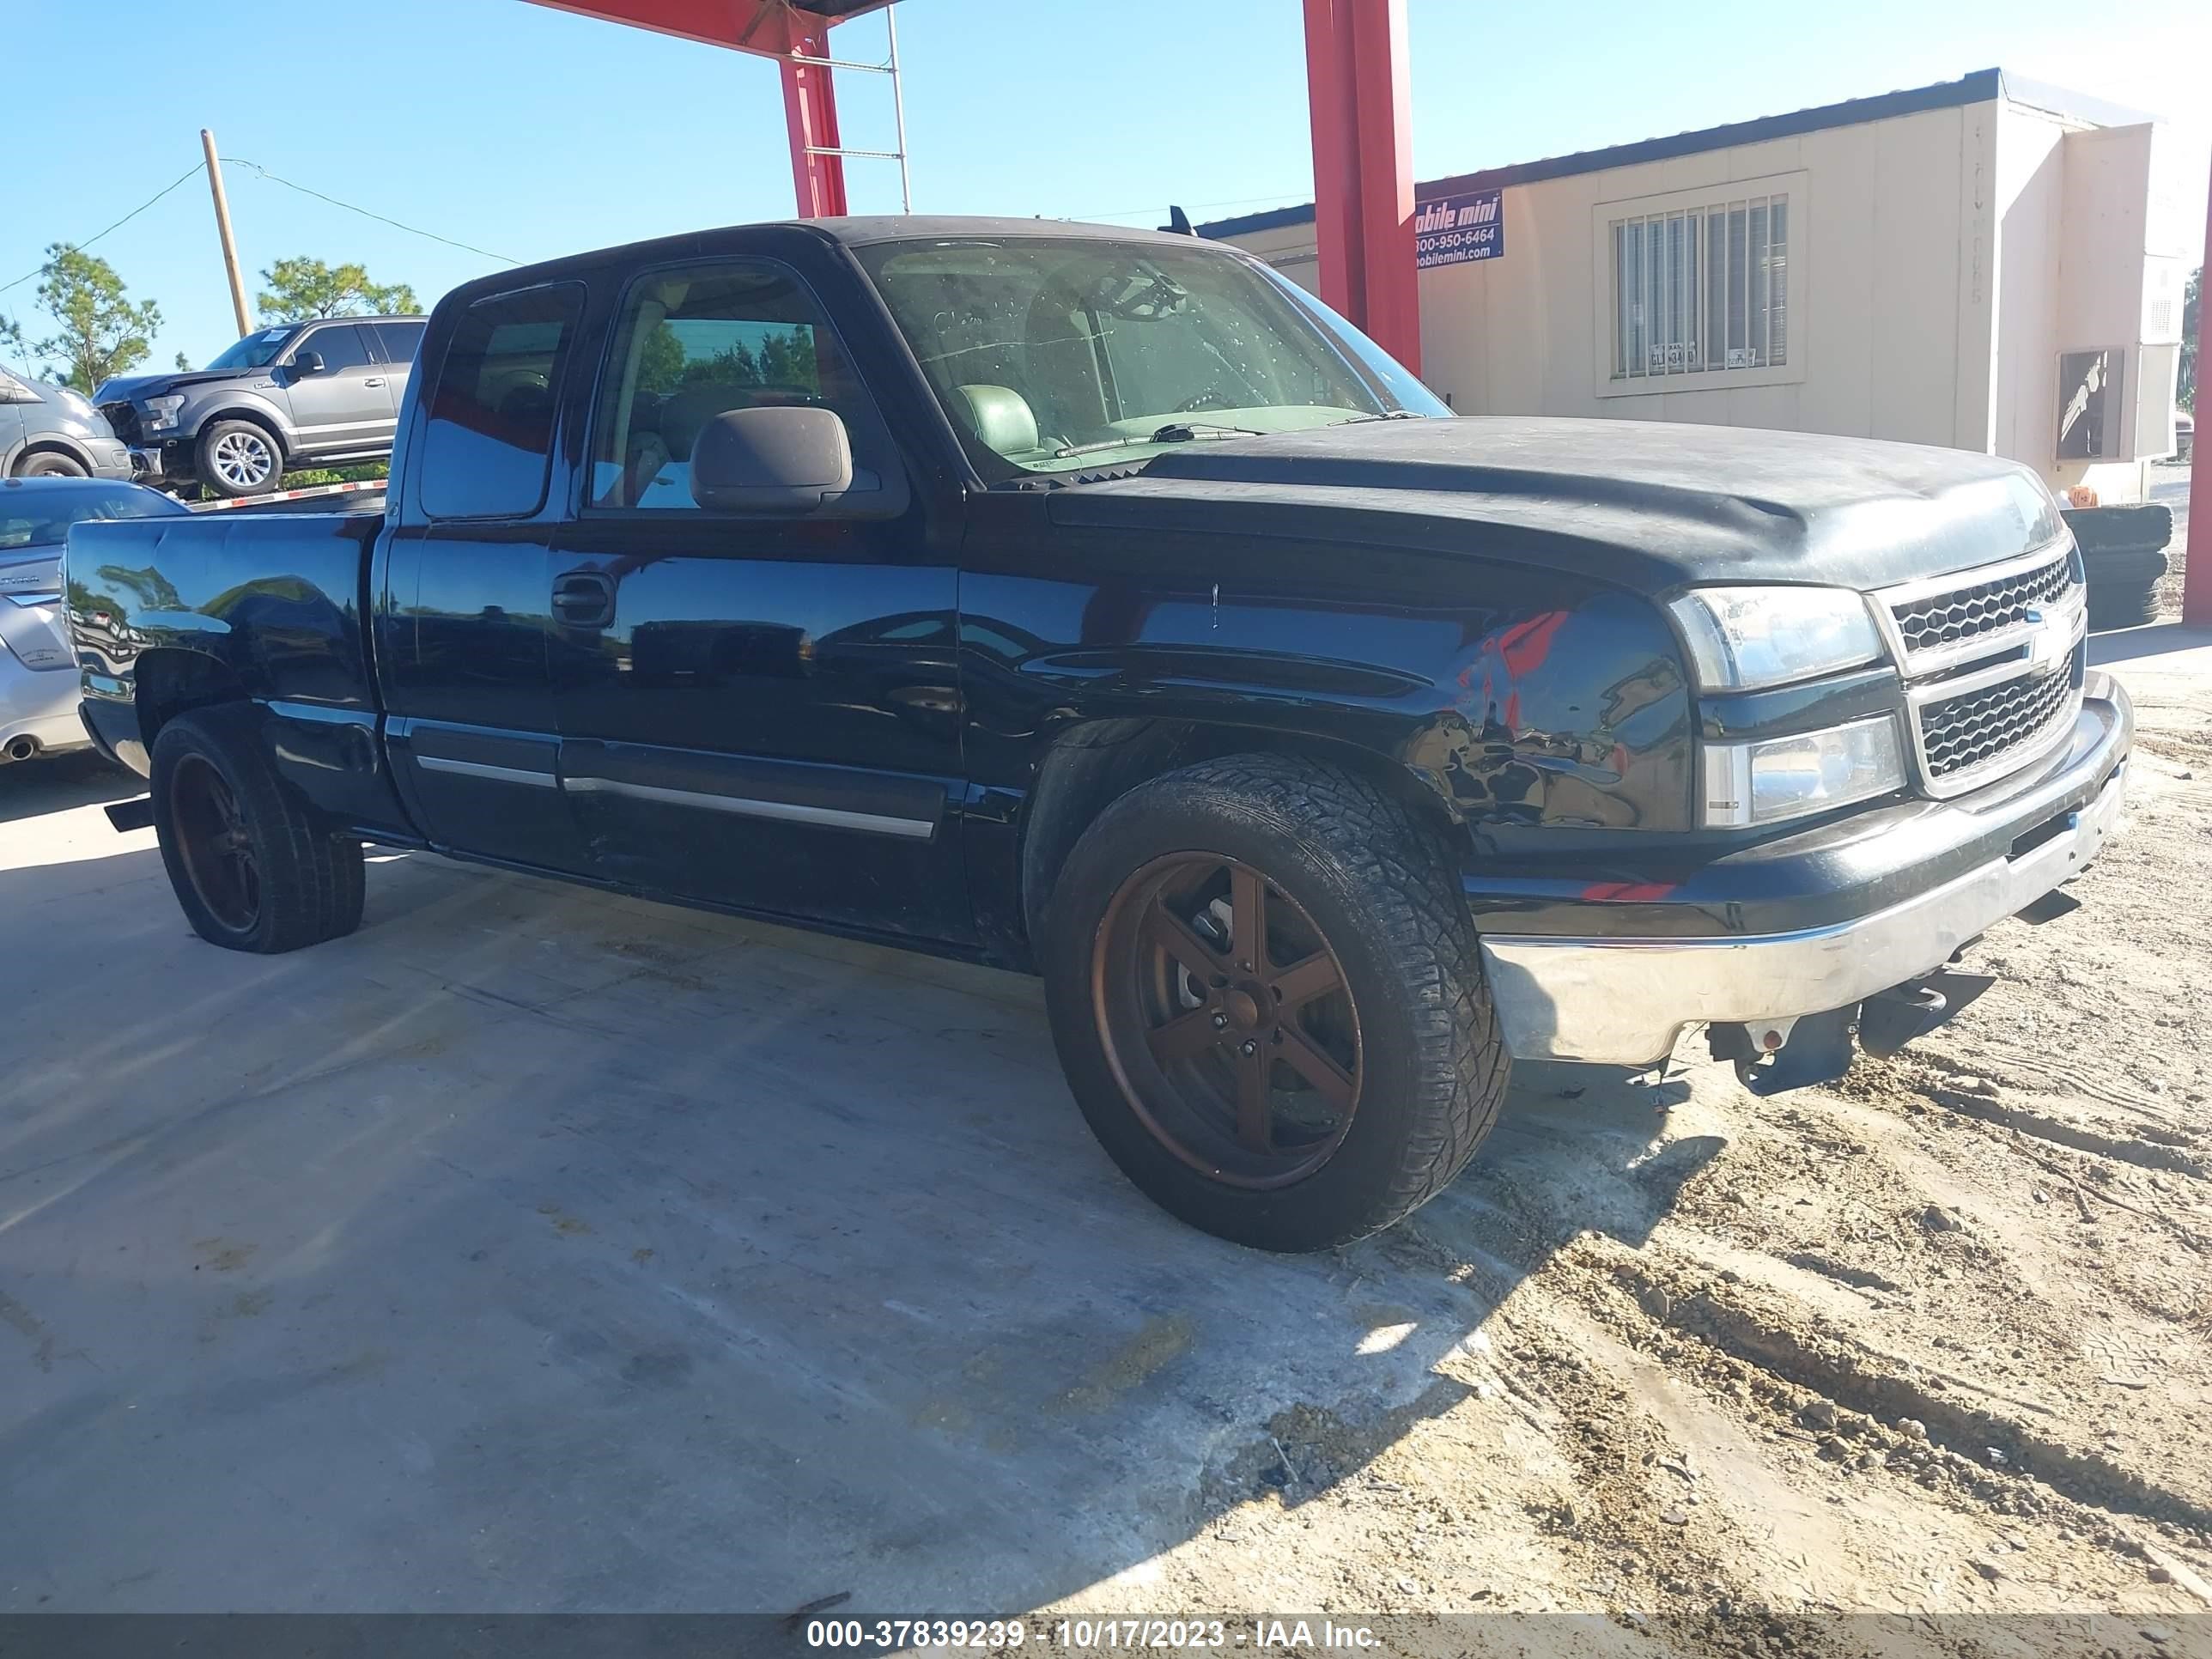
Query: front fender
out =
(1555, 704)
(233, 402)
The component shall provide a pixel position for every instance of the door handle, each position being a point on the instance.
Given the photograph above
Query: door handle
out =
(584, 598)
(373, 380)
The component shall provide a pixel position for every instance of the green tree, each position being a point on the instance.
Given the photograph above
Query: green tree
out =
(2192, 328)
(103, 332)
(302, 288)
(186, 363)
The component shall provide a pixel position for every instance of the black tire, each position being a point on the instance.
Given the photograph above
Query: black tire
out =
(2139, 526)
(2131, 608)
(306, 885)
(48, 464)
(238, 458)
(2123, 587)
(1375, 887)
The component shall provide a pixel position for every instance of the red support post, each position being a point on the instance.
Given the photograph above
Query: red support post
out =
(1359, 87)
(2196, 572)
(810, 110)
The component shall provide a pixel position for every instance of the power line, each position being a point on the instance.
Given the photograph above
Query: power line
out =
(117, 225)
(349, 207)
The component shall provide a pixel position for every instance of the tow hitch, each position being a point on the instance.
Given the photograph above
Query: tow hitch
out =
(1776, 1055)
(1889, 1021)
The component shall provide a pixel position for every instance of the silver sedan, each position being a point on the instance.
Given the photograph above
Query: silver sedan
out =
(39, 683)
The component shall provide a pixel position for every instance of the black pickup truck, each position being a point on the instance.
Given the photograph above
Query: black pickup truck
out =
(1098, 604)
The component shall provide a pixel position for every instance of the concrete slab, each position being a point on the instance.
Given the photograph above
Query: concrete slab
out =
(537, 1249)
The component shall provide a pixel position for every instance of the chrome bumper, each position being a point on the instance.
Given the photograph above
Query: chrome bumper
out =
(1627, 1001)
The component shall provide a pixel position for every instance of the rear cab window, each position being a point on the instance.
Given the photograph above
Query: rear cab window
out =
(400, 340)
(487, 442)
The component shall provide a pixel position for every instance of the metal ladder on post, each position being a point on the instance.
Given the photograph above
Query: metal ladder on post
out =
(899, 107)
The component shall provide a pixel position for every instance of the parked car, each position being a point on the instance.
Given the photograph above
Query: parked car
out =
(303, 394)
(1098, 604)
(54, 432)
(39, 693)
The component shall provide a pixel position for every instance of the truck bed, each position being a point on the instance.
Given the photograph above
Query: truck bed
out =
(270, 605)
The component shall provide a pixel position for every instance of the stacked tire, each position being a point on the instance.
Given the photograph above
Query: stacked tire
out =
(2124, 555)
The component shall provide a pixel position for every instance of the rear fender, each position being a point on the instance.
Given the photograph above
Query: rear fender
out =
(172, 614)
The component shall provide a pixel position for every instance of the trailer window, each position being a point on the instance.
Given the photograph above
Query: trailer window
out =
(487, 443)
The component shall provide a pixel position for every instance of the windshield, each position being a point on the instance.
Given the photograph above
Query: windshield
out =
(43, 518)
(1052, 355)
(254, 351)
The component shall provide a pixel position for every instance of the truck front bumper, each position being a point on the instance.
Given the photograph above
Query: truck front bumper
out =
(1614, 972)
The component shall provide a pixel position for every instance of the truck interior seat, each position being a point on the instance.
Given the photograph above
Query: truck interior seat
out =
(999, 416)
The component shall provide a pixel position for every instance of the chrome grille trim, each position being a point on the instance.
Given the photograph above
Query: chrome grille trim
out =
(1999, 649)
(1988, 609)
(1971, 733)
(1942, 777)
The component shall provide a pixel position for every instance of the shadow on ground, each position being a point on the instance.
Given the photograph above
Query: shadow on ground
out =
(31, 788)
(536, 1249)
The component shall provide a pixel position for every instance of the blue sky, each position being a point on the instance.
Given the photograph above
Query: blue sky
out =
(528, 132)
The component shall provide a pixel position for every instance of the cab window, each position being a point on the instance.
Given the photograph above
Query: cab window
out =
(488, 440)
(340, 346)
(401, 340)
(695, 342)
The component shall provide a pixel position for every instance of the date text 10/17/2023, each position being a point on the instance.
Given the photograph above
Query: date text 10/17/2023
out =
(1085, 1635)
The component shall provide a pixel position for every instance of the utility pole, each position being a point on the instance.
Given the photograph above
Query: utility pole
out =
(222, 226)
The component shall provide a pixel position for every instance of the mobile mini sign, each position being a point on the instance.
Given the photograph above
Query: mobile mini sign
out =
(1454, 229)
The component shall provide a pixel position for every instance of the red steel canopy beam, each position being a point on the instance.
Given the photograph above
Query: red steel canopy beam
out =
(786, 30)
(1359, 85)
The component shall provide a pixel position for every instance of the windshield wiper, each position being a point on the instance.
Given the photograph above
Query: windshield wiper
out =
(1174, 432)
(1387, 415)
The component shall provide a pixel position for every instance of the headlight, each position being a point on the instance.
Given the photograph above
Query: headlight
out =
(161, 412)
(1743, 638)
(1789, 777)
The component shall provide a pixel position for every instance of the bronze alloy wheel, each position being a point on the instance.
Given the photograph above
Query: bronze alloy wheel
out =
(1227, 1020)
(212, 842)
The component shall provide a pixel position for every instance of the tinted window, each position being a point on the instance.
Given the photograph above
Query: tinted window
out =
(401, 341)
(41, 517)
(694, 343)
(342, 347)
(490, 434)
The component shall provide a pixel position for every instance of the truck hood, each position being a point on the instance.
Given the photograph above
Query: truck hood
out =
(1644, 505)
(130, 388)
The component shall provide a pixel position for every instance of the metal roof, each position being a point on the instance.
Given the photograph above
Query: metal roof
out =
(1984, 86)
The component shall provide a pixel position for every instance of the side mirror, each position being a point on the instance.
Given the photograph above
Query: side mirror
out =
(306, 362)
(777, 459)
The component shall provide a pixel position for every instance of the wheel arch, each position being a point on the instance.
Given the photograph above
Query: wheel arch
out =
(1089, 766)
(169, 680)
(51, 443)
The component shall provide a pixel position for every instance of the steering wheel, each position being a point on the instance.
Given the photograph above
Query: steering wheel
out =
(1212, 398)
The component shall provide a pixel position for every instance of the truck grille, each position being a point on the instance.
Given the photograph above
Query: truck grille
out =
(1961, 613)
(1965, 733)
(123, 419)
(1993, 663)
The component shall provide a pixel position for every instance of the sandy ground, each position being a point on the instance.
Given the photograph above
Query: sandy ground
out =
(537, 1249)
